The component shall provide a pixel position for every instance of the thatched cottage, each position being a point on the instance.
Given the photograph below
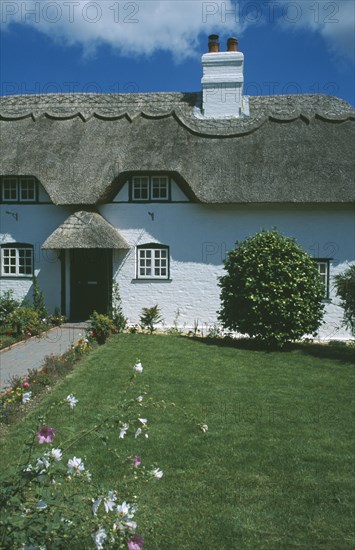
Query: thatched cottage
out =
(151, 190)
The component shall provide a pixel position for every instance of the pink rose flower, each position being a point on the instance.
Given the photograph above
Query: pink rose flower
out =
(136, 461)
(135, 543)
(45, 435)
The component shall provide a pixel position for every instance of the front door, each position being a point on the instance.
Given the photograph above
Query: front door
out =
(90, 282)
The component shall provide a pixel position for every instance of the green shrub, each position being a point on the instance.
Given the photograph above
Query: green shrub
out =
(100, 327)
(150, 316)
(118, 319)
(345, 288)
(26, 321)
(8, 304)
(57, 319)
(272, 290)
(38, 299)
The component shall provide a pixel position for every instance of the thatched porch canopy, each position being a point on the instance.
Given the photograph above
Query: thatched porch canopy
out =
(85, 230)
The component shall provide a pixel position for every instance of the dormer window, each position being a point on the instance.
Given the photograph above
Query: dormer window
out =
(160, 188)
(140, 189)
(18, 189)
(150, 188)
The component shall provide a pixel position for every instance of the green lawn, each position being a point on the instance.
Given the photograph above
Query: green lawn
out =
(275, 469)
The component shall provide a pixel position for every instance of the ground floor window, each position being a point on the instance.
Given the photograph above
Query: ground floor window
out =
(153, 261)
(16, 260)
(323, 269)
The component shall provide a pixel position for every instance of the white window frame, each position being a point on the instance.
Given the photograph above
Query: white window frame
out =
(137, 185)
(13, 181)
(19, 183)
(149, 181)
(30, 184)
(13, 252)
(321, 263)
(159, 180)
(156, 262)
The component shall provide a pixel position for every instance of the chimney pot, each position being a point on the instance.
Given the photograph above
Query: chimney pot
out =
(232, 44)
(213, 43)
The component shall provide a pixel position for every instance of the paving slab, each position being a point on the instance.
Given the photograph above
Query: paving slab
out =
(30, 354)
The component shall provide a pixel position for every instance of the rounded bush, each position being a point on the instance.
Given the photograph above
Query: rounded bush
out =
(345, 289)
(272, 290)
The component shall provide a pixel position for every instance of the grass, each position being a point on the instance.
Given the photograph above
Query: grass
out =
(275, 469)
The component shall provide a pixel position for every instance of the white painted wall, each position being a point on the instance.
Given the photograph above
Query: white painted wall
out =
(198, 236)
(35, 222)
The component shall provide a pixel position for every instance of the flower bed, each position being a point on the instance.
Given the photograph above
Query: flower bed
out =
(22, 389)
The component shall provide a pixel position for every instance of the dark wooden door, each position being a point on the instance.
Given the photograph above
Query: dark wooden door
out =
(90, 282)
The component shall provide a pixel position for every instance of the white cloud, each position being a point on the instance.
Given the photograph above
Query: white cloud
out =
(333, 19)
(132, 27)
(136, 27)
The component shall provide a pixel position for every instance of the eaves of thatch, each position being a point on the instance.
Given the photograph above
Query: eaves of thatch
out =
(81, 147)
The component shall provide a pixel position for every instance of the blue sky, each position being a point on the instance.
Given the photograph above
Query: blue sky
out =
(304, 46)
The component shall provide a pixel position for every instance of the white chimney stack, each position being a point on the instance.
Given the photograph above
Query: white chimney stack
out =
(222, 81)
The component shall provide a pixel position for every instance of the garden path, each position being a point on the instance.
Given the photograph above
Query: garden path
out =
(30, 354)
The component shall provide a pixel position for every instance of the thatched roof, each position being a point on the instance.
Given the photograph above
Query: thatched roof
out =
(81, 147)
(85, 230)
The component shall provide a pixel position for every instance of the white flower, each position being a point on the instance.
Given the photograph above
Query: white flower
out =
(204, 427)
(131, 525)
(42, 464)
(75, 466)
(67, 521)
(123, 431)
(72, 400)
(157, 473)
(56, 454)
(41, 505)
(88, 475)
(109, 501)
(139, 398)
(26, 397)
(123, 509)
(28, 468)
(99, 538)
(126, 513)
(143, 421)
(138, 367)
(96, 504)
(138, 432)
